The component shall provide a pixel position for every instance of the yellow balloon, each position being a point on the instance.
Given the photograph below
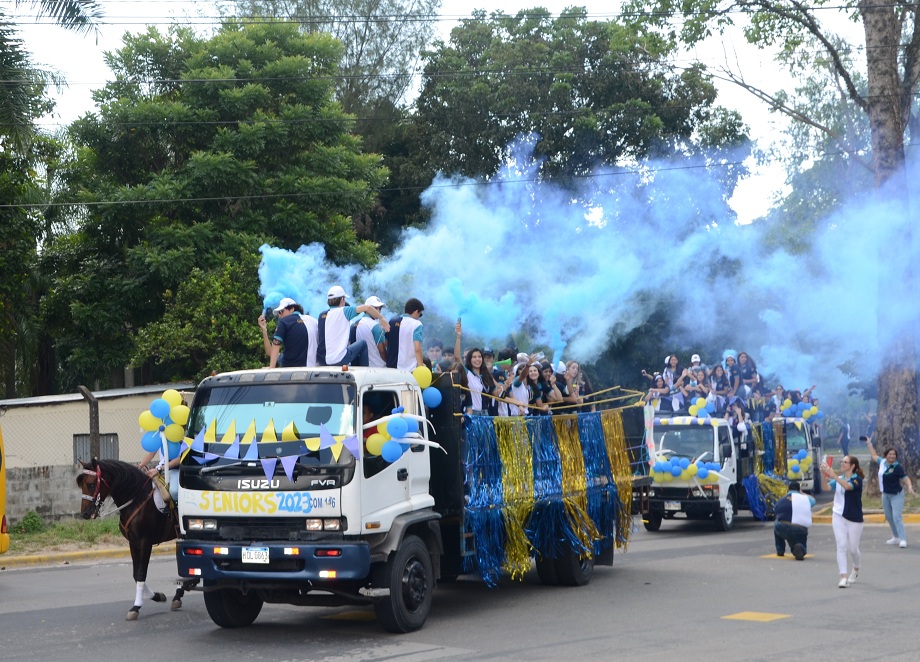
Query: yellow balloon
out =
(179, 414)
(174, 433)
(173, 397)
(685, 474)
(382, 430)
(149, 422)
(693, 469)
(813, 410)
(374, 443)
(700, 403)
(806, 414)
(423, 376)
(787, 403)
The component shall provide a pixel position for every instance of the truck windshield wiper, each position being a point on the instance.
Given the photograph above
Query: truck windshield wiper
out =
(220, 467)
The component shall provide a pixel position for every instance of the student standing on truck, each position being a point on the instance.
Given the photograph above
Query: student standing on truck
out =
(404, 338)
(334, 326)
(296, 332)
(479, 381)
(369, 330)
(747, 372)
(793, 519)
(893, 480)
(734, 375)
(848, 515)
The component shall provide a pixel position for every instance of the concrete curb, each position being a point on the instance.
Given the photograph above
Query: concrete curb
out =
(868, 518)
(63, 558)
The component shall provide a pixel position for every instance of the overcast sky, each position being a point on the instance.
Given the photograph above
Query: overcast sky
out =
(79, 59)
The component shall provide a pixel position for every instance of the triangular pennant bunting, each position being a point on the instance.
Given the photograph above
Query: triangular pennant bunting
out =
(289, 462)
(268, 466)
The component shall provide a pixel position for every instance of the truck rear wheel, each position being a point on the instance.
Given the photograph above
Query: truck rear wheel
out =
(409, 577)
(546, 571)
(229, 608)
(573, 569)
(725, 517)
(652, 522)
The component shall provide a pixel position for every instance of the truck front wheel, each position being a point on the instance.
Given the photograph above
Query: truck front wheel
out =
(725, 518)
(232, 609)
(652, 522)
(409, 577)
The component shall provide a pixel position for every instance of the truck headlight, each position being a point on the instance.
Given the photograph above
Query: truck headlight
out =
(199, 524)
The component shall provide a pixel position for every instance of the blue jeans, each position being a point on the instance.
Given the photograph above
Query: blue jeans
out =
(893, 505)
(355, 354)
(784, 532)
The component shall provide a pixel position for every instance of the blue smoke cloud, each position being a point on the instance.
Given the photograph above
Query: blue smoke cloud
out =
(577, 267)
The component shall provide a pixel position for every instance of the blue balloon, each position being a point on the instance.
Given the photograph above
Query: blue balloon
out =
(411, 425)
(711, 407)
(820, 414)
(160, 408)
(702, 473)
(431, 396)
(391, 451)
(172, 448)
(150, 442)
(400, 409)
(396, 427)
(684, 463)
(675, 470)
(802, 454)
(787, 412)
(405, 447)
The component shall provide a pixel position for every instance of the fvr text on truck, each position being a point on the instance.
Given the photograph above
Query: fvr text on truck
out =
(298, 511)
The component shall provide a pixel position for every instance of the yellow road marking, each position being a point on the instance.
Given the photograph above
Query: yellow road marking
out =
(759, 616)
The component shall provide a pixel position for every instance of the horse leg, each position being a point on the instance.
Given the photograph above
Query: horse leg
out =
(177, 599)
(140, 583)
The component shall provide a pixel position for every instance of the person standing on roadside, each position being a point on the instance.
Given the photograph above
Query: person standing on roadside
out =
(848, 515)
(793, 519)
(893, 480)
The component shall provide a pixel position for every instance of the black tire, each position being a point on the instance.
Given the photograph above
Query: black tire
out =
(725, 517)
(652, 522)
(231, 609)
(546, 571)
(574, 570)
(409, 576)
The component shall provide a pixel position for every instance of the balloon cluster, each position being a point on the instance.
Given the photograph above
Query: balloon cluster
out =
(389, 441)
(804, 410)
(166, 417)
(430, 395)
(665, 470)
(701, 407)
(798, 465)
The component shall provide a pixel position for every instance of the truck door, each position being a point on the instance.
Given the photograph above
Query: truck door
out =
(417, 461)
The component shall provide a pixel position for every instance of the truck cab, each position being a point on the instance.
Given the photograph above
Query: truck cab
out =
(697, 470)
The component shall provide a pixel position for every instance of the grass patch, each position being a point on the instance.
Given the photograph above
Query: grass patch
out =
(65, 536)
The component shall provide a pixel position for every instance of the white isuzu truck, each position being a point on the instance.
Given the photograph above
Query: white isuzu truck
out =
(281, 499)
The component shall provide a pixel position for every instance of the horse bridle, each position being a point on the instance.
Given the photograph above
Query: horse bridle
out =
(97, 497)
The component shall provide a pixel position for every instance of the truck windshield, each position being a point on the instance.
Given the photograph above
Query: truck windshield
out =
(795, 439)
(693, 442)
(290, 415)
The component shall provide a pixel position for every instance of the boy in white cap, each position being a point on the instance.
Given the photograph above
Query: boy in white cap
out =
(297, 332)
(368, 330)
(333, 347)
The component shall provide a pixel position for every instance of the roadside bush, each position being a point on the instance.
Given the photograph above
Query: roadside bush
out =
(31, 523)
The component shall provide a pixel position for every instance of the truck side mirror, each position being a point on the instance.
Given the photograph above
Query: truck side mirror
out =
(726, 450)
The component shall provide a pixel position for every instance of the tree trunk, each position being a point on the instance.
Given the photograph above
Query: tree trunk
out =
(897, 381)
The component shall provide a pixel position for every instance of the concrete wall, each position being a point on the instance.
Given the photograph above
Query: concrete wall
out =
(50, 491)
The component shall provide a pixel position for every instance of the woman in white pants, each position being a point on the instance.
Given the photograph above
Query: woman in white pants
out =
(848, 515)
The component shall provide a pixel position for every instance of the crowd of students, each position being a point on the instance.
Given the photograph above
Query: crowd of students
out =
(724, 386)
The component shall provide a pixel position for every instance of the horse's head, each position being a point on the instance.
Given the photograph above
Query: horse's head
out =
(94, 489)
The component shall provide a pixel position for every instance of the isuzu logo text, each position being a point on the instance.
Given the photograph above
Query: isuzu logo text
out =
(257, 484)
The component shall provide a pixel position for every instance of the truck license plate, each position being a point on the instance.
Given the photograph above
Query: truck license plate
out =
(255, 555)
(672, 505)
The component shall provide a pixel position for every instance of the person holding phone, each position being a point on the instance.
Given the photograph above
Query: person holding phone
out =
(892, 480)
(848, 515)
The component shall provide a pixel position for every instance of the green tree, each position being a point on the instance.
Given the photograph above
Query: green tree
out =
(597, 93)
(202, 150)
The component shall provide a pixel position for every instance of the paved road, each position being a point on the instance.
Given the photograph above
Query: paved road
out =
(672, 595)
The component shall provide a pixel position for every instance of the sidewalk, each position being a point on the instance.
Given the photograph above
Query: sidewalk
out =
(66, 558)
(821, 514)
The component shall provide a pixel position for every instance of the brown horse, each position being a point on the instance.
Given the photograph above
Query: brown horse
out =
(142, 524)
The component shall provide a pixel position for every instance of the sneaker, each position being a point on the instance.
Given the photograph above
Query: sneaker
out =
(842, 583)
(852, 578)
(798, 552)
(892, 541)
(781, 553)
(902, 544)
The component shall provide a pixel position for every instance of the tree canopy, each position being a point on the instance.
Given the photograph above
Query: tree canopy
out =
(201, 151)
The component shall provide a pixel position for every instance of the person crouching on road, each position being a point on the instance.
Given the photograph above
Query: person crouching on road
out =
(793, 519)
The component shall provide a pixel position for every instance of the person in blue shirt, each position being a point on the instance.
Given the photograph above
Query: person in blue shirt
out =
(296, 332)
(892, 480)
(793, 519)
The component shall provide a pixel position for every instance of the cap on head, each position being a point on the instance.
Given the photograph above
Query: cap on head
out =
(286, 302)
(336, 291)
(370, 301)
(488, 351)
(695, 358)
